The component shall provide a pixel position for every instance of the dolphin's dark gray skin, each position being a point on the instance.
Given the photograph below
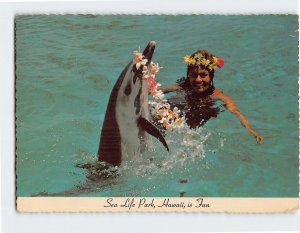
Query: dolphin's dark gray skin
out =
(127, 116)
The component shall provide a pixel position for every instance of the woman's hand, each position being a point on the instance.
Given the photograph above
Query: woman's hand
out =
(232, 107)
(259, 139)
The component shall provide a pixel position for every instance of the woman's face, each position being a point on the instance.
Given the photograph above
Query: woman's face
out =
(199, 79)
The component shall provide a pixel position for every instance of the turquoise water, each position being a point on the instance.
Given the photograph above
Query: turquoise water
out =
(66, 66)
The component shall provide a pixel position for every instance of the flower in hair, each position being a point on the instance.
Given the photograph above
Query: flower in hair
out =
(220, 62)
(198, 59)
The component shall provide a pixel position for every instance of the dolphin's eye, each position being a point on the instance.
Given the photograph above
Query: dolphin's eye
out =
(137, 76)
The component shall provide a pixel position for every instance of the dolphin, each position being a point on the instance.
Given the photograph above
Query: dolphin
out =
(126, 122)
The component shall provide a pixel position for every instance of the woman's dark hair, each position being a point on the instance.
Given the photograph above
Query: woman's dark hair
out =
(207, 55)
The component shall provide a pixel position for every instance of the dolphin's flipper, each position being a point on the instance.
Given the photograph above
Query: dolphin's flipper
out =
(151, 129)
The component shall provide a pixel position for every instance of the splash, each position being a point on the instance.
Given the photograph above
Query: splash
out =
(188, 145)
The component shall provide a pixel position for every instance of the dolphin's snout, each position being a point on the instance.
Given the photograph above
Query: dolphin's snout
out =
(152, 43)
(149, 50)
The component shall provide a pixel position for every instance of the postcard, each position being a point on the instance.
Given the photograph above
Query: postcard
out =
(157, 113)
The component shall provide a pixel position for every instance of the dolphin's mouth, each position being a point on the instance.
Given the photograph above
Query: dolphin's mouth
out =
(149, 50)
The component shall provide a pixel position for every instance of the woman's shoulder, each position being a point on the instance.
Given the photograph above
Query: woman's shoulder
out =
(218, 94)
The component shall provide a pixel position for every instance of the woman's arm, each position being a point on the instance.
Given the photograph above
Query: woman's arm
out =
(168, 89)
(231, 106)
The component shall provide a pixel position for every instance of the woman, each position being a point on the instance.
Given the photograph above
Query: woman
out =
(199, 94)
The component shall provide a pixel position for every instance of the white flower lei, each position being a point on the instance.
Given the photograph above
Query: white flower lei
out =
(161, 109)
